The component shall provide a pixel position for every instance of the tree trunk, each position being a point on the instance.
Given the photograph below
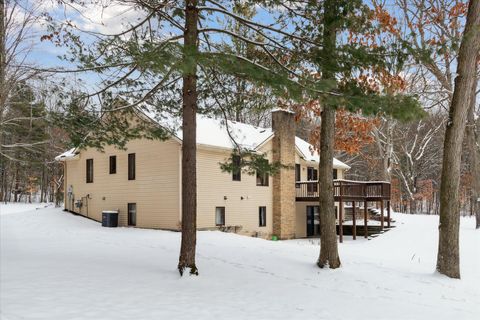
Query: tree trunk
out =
(42, 185)
(189, 145)
(473, 157)
(386, 151)
(328, 230)
(448, 246)
(2, 91)
(17, 186)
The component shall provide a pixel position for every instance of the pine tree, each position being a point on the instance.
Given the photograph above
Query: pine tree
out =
(349, 58)
(146, 57)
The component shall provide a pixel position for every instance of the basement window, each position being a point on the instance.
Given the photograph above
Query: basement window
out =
(132, 214)
(220, 216)
(262, 216)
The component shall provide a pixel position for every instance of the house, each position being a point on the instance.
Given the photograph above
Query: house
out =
(143, 182)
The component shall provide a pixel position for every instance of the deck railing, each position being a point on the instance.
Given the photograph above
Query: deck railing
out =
(346, 190)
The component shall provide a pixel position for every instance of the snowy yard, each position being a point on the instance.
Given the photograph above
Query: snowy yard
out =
(55, 265)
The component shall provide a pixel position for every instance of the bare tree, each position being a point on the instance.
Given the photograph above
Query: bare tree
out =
(417, 153)
(18, 23)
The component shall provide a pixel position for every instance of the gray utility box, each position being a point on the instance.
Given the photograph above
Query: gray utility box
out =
(110, 219)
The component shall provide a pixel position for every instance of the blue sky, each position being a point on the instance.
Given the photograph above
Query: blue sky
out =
(109, 20)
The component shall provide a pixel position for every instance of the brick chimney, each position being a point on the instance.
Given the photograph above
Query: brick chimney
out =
(283, 126)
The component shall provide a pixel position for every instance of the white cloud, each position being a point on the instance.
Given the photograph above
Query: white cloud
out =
(110, 18)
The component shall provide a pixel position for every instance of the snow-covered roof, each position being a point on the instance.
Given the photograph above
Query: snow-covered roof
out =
(284, 110)
(309, 154)
(213, 132)
(216, 133)
(66, 155)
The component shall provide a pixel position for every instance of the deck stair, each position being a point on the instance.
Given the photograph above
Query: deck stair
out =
(373, 213)
(373, 230)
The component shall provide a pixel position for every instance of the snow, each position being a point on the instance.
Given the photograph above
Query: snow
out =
(55, 265)
(213, 132)
(9, 208)
(282, 110)
(69, 154)
(309, 154)
(218, 133)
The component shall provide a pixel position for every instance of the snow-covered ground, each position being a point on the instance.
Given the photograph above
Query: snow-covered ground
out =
(55, 265)
(9, 208)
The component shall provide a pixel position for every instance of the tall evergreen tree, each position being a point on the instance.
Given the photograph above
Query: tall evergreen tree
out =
(350, 59)
(172, 43)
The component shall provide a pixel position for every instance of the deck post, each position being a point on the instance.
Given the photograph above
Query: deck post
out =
(388, 213)
(381, 214)
(365, 219)
(354, 222)
(340, 223)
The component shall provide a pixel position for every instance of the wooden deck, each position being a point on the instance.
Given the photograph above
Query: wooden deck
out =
(345, 190)
(355, 192)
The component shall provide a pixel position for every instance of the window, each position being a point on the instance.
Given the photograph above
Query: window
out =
(89, 170)
(312, 175)
(237, 172)
(113, 164)
(262, 177)
(132, 214)
(297, 174)
(262, 216)
(131, 166)
(335, 174)
(220, 216)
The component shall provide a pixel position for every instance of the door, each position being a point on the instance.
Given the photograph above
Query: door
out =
(313, 221)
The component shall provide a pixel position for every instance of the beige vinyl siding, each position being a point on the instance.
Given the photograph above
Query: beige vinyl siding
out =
(155, 189)
(214, 186)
